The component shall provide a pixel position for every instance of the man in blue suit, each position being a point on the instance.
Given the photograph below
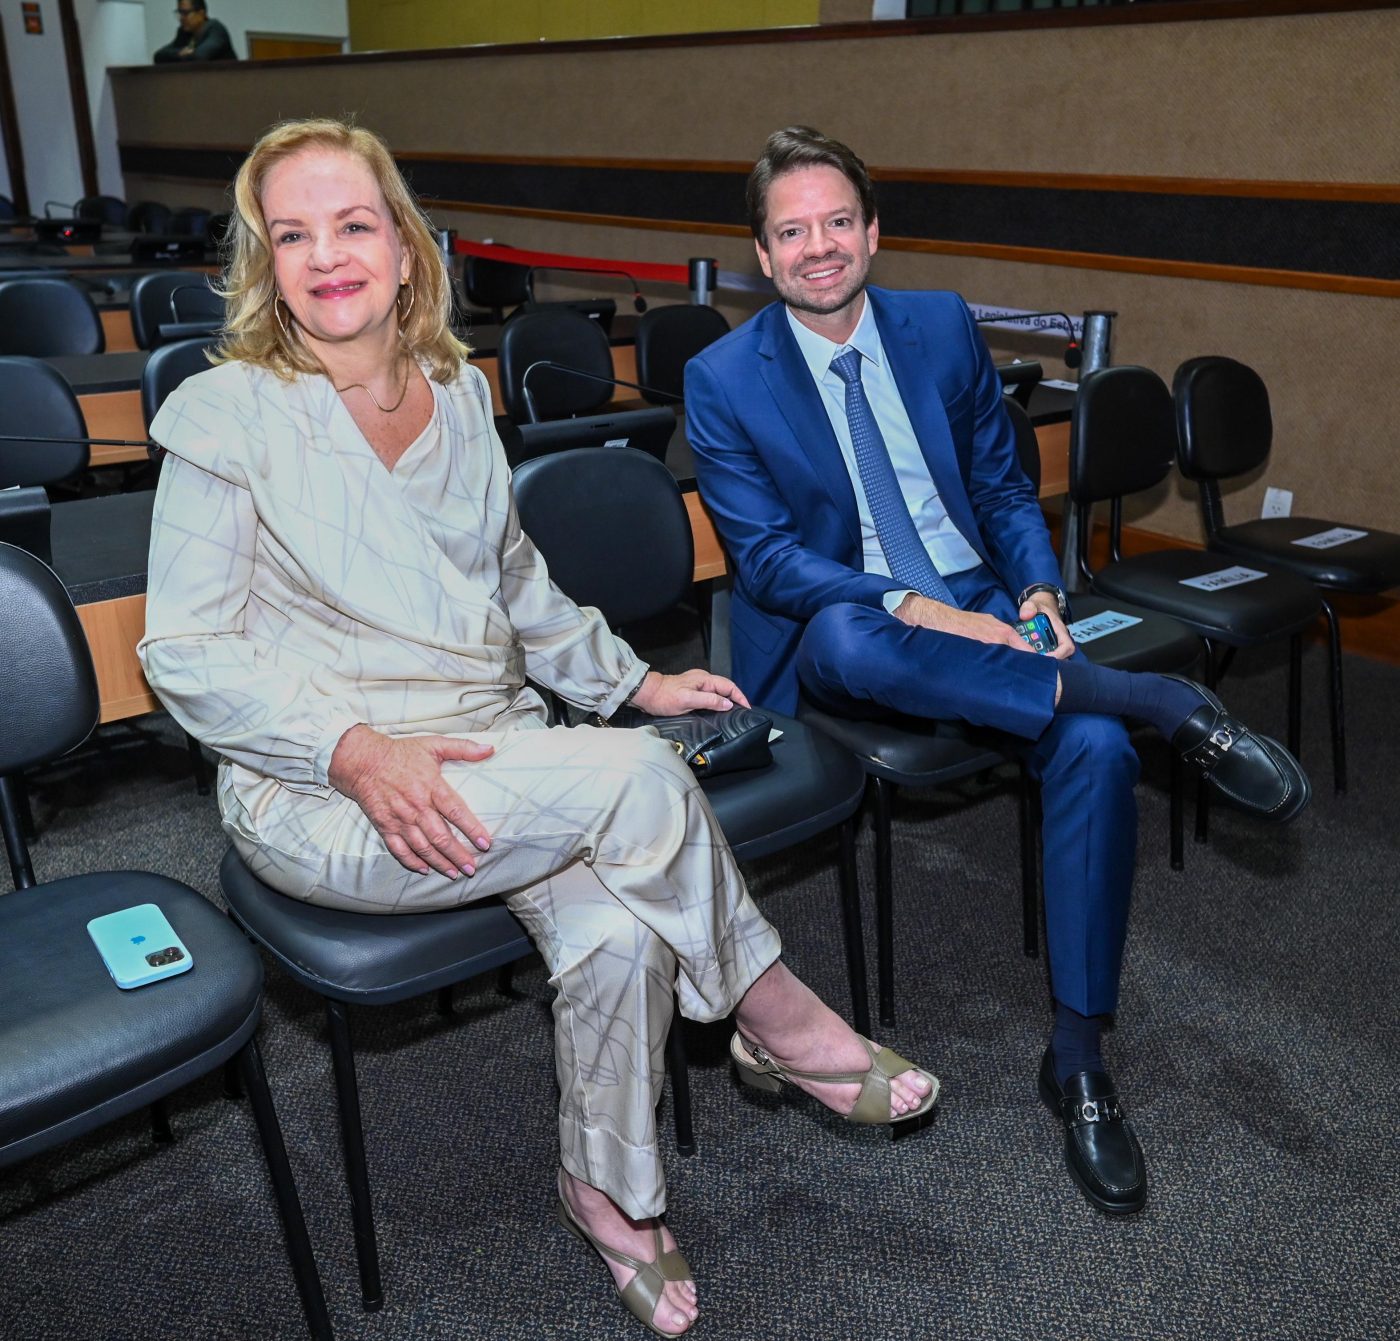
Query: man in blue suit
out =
(852, 447)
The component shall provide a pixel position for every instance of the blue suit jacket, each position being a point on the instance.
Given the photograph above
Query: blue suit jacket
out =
(772, 475)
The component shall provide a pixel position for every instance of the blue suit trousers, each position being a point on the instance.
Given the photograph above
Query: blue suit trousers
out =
(857, 660)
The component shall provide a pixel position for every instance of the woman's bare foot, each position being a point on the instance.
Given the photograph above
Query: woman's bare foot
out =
(793, 1026)
(596, 1212)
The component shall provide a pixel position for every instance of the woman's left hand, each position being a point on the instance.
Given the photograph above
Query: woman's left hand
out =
(671, 695)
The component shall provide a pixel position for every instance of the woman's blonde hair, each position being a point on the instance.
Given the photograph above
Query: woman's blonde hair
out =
(254, 329)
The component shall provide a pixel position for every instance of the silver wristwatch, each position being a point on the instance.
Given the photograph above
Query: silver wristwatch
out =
(1058, 593)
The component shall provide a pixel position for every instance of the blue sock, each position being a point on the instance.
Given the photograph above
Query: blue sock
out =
(1074, 1046)
(1154, 699)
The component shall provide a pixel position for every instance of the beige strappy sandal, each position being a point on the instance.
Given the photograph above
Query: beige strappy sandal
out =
(642, 1293)
(758, 1069)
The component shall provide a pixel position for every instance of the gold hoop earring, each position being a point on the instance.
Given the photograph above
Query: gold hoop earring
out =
(277, 312)
(412, 294)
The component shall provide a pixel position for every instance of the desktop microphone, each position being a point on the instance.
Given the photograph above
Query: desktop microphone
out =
(638, 301)
(533, 410)
(72, 209)
(1073, 355)
(153, 449)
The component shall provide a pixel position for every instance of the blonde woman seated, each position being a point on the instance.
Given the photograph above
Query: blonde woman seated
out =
(342, 604)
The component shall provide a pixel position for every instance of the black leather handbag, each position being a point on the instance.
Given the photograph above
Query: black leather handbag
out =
(710, 742)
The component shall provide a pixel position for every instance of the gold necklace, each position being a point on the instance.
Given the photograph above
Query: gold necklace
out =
(383, 409)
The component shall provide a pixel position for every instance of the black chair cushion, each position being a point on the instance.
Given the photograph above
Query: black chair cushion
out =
(1369, 565)
(1122, 434)
(908, 751)
(76, 1051)
(811, 786)
(1252, 612)
(1224, 424)
(1158, 643)
(170, 365)
(556, 335)
(166, 297)
(44, 317)
(51, 690)
(36, 398)
(368, 958)
(667, 339)
(628, 550)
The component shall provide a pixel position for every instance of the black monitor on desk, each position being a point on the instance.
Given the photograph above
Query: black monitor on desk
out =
(650, 430)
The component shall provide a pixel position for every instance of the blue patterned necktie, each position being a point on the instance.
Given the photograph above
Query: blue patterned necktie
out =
(905, 553)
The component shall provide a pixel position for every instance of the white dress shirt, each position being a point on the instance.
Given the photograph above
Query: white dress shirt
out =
(946, 545)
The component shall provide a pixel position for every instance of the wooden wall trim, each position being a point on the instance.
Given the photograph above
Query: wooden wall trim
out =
(78, 93)
(9, 132)
(1100, 16)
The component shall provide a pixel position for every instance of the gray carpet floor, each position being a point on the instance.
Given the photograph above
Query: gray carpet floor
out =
(1257, 1051)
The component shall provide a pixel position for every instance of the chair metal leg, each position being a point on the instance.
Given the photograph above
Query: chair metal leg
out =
(850, 924)
(1339, 721)
(884, 899)
(1178, 811)
(1295, 696)
(26, 811)
(233, 1086)
(679, 1068)
(444, 1002)
(353, 1141)
(1030, 864)
(160, 1123)
(199, 765)
(308, 1279)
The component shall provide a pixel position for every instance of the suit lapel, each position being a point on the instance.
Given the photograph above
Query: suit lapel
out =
(912, 364)
(789, 381)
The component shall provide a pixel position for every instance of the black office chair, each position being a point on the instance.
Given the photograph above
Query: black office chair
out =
(629, 552)
(78, 1051)
(173, 298)
(1123, 440)
(44, 317)
(1225, 429)
(667, 339)
(495, 285)
(107, 210)
(7, 209)
(167, 367)
(149, 216)
(558, 335)
(191, 221)
(36, 399)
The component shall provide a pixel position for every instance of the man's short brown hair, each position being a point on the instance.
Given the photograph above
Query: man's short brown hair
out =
(802, 147)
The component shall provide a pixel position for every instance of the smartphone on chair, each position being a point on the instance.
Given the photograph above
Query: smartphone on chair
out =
(139, 946)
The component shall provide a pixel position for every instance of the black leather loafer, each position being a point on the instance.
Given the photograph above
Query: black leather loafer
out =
(1251, 772)
(1101, 1150)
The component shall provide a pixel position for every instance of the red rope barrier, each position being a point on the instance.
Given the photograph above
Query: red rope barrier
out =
(661, 274)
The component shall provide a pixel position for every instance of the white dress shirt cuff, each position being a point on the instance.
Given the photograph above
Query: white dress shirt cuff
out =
(894, 599)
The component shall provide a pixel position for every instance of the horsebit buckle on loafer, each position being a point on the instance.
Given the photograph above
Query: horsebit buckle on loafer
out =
(1106, 1108)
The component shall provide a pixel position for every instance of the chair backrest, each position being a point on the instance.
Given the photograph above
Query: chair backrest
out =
(562, 336)
(613, 528)
(1122, 434)
(107, 210)
(43, 317)
(496, 285)
(167, 367)
(1223, 423)
(1027, 444)
(149, 216)
(190, 222)
(7, 208)
(26, 521)
(36, 399)
(168, 297)
(46, 676)
(667, 339)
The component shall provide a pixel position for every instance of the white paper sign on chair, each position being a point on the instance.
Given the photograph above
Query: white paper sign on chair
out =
(1223, 577)
(1101, 625)
(1338, 535)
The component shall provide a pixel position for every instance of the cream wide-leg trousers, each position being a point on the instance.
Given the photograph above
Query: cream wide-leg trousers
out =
(605, 848)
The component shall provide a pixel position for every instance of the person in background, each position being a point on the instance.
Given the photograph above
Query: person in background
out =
(199, 38)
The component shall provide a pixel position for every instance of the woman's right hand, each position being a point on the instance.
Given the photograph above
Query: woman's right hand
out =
(397, 781)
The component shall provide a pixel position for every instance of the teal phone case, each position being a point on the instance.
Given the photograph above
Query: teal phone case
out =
(139, 946)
